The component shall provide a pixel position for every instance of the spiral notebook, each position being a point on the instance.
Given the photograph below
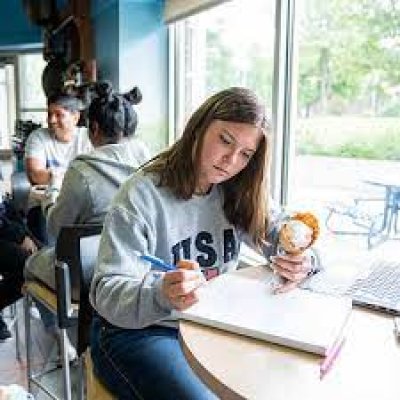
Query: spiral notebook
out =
(300, 319)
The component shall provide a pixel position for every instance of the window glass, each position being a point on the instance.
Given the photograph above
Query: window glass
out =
(38, 117)
(31, 103)
(229, 45)
(347, 144)
(7, 102)
(30, 80)
(3, 111)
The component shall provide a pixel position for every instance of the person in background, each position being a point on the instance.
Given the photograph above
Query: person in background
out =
(49, 151)
(16, 244)
(92, 179)
(192, 206)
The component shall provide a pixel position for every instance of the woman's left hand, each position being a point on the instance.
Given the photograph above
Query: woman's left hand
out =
(294, 269)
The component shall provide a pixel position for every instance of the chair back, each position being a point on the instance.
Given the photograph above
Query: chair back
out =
(20, 189)
(77, 245)
(76, 254)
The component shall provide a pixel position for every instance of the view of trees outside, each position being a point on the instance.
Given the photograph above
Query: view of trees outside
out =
(347, 128)
(230, 45)
(349, 52)
(348, 57)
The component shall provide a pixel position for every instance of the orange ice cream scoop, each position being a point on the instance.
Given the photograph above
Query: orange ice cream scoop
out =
(298, 233)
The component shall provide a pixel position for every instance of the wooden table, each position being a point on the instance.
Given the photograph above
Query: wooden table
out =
(237, 367)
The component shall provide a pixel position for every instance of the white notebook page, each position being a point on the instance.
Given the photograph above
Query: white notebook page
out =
(300, 319)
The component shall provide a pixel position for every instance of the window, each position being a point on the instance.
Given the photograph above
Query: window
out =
(229, 45)
(21, 97)
(336, 105)
(7, 102)
(32, 101)
(347, 145)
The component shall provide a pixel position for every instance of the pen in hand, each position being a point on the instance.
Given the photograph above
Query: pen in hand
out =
(157, 262)
(179, 290)
(163, 266)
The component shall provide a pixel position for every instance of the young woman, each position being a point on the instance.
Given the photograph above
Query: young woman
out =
(196, 201)
(91, 180)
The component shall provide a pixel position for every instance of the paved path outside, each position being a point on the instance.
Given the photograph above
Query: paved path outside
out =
(328, 178)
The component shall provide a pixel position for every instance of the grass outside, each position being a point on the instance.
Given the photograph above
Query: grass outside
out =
(355, 137)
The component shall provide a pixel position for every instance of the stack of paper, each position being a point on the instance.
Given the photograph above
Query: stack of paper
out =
(301, 319)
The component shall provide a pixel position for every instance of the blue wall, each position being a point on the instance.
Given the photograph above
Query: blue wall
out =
(131, 49)
(105, 22)
(16, 31)
(144, 62)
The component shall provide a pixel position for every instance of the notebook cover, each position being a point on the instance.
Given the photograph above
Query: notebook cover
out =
(300, 319)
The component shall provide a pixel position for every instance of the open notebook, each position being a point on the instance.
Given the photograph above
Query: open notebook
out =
(301, 319)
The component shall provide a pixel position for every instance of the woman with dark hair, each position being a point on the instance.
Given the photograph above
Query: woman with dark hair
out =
(192, 205)
(92, 179)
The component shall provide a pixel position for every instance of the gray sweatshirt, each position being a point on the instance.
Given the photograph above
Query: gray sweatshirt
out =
(91, 182)
(149, 219)
(88, 187)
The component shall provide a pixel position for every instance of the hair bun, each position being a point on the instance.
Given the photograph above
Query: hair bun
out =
(116, 103)
(134, 96)
(104, 90)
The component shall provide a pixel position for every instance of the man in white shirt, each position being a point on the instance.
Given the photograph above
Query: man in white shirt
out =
(49, 150)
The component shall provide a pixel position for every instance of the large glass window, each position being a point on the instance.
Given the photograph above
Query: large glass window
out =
(4, 128)
(7, 101)
(347, 127)
(229, 45)
(22, 96)
(32, 101)
(344, 107)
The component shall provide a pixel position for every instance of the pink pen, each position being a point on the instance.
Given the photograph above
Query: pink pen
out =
(330, 358)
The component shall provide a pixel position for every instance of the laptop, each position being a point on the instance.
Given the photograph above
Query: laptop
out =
(378, 287)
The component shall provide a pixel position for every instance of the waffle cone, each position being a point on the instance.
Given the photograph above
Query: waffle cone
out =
(285, 239)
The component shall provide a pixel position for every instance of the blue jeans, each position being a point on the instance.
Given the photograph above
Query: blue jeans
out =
(144, 364)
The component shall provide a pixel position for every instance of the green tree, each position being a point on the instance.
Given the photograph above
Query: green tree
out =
(346, 52)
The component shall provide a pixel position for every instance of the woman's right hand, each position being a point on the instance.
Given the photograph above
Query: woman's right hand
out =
(180, 285)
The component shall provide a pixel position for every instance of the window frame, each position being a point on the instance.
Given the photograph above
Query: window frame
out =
(13, 95)
(19, 108)
(10, 98)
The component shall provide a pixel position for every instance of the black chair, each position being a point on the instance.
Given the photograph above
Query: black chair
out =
(76, 253)
(20, 189)
(76, 257)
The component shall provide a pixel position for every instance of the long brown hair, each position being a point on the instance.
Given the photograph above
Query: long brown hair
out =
(245, 193)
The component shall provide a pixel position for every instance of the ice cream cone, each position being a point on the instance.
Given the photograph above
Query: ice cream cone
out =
(298, 233)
